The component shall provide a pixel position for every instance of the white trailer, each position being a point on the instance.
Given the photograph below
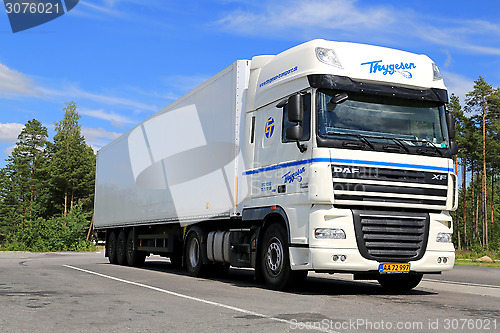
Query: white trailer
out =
(328, 157)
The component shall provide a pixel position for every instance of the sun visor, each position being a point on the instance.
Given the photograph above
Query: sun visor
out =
(344, 83)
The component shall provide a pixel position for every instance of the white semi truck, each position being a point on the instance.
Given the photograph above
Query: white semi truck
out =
(329, 157)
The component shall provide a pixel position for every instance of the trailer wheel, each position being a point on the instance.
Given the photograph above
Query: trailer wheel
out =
(121, 252)
(399, 282)
(193, 257)
(135, 257)
(111, 247)
(274, 260)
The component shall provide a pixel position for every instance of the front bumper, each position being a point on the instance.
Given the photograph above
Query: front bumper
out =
(319, 255)
(322, 260)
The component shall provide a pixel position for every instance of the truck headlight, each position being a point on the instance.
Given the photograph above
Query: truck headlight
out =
(443, 237)
(328, 57)
(436, 74)
(329, 233)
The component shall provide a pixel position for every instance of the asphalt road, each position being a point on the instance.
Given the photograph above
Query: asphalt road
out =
(81, 292)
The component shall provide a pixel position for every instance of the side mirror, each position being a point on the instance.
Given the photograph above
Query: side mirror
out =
(295, 115)
(450, 121)
(294, 133)
(453, 148)
(295, 109)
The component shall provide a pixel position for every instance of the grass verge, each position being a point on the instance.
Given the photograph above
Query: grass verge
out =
(464, 262)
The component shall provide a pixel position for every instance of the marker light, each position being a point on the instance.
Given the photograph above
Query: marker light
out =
(443, 237)
(328, 57)
(436, 74)
(442, 260)
(327, 233)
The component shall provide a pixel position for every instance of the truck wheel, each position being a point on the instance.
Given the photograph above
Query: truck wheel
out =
(274, 260)
(135, 258)
(121, 252)
(399, 282)
(193, 257)
(111, 245)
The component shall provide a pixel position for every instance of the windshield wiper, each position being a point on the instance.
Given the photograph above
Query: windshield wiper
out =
(399, 143)
(363, 138)
(428, 143)
(359, 136)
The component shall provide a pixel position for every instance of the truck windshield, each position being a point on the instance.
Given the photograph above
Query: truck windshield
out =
(373, 120)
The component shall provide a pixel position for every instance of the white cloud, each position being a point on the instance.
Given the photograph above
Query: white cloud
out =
(457, 35)
(9, 150)
(99, 133)
(127, 10)
(449, 59)
(98, 137)
(183, 83)
(77, 93)
(116, 119)
(174, 86)
(9, 132)
(14, 83)
(457, 84)
(278, 16)
(92, 10)
(346, 19)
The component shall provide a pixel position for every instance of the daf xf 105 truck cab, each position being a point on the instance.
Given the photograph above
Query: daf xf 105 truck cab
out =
(329, 157)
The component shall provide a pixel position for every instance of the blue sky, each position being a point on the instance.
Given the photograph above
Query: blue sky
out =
(121, 61)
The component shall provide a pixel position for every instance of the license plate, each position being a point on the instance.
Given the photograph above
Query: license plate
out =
(394, 268)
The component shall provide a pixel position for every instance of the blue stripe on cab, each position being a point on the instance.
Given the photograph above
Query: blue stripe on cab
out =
(347, 161)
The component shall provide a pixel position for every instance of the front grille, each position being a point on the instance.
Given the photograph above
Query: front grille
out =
(391, 236)
(369, 186)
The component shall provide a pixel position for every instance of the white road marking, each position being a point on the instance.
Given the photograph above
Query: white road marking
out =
(435, 284)
(173, 293)
(463, 283)
(461, 287)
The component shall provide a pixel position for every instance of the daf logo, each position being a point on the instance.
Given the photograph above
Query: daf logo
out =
(439, 177)
(345, 170)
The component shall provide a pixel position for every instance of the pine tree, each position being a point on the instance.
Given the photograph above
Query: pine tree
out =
(24, 178)
(460, 125)
(72, 164)
(477, 102)
(46, 189)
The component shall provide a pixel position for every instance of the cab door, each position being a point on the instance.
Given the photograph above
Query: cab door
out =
(279, 167)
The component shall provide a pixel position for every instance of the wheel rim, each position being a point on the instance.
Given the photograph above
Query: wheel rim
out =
(194, 249)
(130, 247)
(112, 247)
(274, 257)
(119, 247)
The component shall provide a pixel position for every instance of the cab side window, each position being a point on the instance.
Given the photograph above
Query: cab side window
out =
(306, 124)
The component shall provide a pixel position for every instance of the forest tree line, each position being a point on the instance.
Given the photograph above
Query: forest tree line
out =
(476, 224)
(47, 188)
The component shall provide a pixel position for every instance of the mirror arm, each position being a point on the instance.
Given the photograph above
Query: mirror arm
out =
(302, 147)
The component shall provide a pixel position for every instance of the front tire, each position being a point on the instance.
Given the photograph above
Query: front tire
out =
(399, 282)
(274, 258)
